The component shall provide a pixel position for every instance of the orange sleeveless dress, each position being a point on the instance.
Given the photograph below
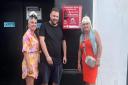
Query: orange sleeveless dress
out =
(89, 74)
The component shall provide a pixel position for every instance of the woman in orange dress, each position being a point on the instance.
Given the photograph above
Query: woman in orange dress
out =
(90, 45)
(30, 51)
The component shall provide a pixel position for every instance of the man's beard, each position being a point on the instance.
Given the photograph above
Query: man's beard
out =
(52, 22)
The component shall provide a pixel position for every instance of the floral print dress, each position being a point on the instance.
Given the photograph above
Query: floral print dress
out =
(31, 47)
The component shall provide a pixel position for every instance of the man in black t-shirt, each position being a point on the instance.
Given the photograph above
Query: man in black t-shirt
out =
(52, 41)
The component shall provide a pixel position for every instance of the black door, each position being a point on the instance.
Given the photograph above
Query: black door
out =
(11, 30)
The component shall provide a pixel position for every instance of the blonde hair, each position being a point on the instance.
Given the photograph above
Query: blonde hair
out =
(86, 19)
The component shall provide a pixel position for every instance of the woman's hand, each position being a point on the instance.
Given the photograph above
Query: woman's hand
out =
(30, 70)
(98, 62)
(79, 67)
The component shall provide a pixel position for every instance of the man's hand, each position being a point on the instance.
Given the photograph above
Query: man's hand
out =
(49, 60)
(64, 60)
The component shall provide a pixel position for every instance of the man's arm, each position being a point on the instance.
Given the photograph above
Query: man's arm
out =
(45, 50)
(64, 51)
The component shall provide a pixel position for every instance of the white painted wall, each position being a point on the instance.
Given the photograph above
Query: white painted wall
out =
(110, 19)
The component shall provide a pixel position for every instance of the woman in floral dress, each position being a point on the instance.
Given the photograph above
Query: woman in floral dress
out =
(30, 51)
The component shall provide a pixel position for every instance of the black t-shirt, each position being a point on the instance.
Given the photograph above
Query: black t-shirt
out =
(53, 39)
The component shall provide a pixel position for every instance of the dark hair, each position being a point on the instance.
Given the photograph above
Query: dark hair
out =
(55, 9)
